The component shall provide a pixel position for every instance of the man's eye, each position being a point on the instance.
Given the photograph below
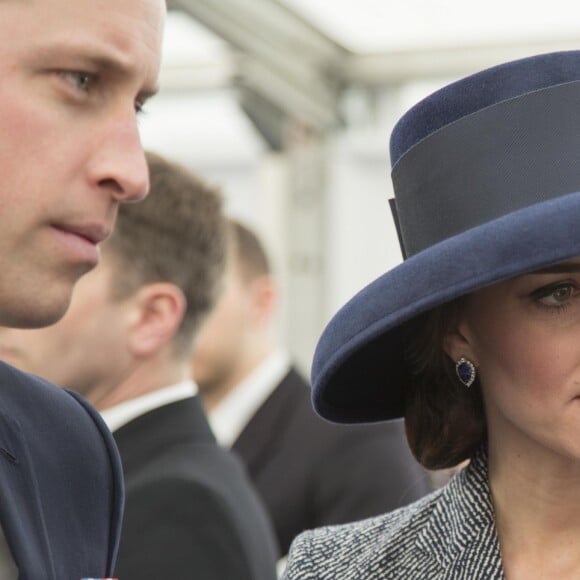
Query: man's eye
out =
(81, 81)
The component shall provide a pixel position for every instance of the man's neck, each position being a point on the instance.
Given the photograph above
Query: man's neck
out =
(212, 397)
(145, 377)
(234, 412)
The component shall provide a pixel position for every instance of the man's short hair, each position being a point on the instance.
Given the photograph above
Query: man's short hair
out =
(178, 234)
(248, 251)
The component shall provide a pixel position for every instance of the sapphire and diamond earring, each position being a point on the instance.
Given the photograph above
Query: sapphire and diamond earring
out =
(465, 370)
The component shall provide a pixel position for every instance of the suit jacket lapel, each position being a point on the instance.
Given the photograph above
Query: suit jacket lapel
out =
(461, 533)
(259, 438)
(20, 506)
(181, 421)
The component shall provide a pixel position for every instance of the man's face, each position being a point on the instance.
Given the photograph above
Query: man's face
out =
(87, 349)
(73, 75)
(219, 359)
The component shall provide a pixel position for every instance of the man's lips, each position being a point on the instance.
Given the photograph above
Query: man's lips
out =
(94, 233)
(80, 241)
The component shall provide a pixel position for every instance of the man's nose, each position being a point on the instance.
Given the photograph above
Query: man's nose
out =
(119, 164)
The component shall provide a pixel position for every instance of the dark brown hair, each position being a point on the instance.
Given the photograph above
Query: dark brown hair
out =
(444, 419)
(177, 235)
(249, 252)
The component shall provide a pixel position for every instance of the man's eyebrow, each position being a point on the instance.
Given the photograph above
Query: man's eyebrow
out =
(144, 96)
(114, 62)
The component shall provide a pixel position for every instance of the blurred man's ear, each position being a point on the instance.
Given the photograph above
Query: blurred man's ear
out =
(160, 308)
(265, 296)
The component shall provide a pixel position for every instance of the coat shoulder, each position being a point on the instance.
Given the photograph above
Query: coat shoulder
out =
(189, 502)
(77, 466)
(58, 421)
(350, 550)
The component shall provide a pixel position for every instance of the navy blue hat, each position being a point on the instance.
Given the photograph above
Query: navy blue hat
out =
(486, 173)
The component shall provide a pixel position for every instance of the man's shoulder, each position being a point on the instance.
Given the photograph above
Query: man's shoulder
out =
(183, 478)
(355, 547)
(32, 402)
(173, 441)
(57, 423)
(72, 455)
(199, 462)
(172, 447)
(18, 388)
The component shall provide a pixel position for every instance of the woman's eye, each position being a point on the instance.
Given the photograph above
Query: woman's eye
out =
(556, 296)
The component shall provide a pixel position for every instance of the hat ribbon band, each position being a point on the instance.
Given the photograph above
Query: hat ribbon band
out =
(503, 158)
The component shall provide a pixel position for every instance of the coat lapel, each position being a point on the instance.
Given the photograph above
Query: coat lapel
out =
(20, 506)
(461, 534)
(271, 418)
(183, 421)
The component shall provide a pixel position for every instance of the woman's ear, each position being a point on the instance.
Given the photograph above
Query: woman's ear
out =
(160, 308)
(458, 342)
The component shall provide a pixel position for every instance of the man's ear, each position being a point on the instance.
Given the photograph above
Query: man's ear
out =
(159, 309)
(264, 295)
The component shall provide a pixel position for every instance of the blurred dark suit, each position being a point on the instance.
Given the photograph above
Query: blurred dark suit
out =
(185, 492)
(310, 472)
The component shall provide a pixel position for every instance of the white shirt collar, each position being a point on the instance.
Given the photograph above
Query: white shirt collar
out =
(119, 415)
(229, 418)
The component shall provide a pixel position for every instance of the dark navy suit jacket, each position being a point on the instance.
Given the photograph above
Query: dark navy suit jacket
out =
(61, 490)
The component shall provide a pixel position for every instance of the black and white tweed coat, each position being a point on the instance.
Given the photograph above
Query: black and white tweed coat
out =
(449, 534)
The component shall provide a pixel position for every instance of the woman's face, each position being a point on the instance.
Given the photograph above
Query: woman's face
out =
(524, 336)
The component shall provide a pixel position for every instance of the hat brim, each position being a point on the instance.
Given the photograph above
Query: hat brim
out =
(359, 370)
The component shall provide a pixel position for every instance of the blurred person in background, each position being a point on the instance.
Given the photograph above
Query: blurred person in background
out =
(73, 82)
(308, 471)
(125, 344)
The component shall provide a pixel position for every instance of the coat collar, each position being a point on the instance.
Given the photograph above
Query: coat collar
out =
(150, 434)
(20, 507)
(273, 416)
(461, 528)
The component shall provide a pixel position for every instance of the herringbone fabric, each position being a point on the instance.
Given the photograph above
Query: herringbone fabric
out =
(448, 535)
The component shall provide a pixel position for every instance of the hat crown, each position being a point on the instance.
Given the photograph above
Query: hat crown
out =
(481, 90)
(486, 146)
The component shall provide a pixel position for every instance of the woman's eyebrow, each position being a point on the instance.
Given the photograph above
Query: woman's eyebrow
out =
(561, 268)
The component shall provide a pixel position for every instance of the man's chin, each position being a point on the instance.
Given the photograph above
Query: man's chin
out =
(37, 315)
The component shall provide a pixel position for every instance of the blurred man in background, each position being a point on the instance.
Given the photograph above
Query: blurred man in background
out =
(125, 344)
(308, 471)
